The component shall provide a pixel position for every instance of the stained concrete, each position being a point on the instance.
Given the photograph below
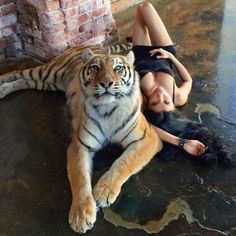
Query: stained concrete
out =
(172, 198)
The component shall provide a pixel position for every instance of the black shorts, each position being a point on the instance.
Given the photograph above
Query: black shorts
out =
(144, 63)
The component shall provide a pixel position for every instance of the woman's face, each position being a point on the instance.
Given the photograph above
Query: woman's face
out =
(160, 100)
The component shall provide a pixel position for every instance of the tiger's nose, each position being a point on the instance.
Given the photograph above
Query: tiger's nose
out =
(106, 84)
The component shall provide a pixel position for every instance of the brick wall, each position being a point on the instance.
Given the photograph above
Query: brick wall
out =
(47, 27)
(10, 43)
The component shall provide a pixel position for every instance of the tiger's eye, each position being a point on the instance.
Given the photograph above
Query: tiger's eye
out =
(118, 68)
(95, 67)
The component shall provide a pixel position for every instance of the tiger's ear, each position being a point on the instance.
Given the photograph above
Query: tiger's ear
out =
(130, 57)
(86, 54)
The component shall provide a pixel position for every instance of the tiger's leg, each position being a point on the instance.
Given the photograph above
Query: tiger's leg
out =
(133, 159)
(82, 213)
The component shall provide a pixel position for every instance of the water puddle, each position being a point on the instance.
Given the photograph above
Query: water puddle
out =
(174, 210)
(207, 107)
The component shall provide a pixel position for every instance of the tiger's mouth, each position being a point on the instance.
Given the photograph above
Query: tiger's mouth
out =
(106, 94)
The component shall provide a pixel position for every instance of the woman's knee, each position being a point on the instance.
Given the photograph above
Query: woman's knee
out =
(145, 6)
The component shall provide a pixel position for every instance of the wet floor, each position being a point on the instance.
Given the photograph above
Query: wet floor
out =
(168, 198)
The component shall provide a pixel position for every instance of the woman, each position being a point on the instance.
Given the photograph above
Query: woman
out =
(154, 57)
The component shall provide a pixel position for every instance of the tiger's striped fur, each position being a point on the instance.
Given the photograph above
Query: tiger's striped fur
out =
(105, 100)
(54, 75)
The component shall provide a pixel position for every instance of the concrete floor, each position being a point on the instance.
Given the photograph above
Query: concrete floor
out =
(175, 198)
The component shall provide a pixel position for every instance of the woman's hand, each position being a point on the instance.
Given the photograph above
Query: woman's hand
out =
(161, 53)
(194, 147)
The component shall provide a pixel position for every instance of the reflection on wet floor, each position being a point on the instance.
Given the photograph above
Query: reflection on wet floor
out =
(172, 198)
(226, 61)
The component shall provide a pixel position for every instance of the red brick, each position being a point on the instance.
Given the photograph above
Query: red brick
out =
(21, 7)
(45, 6)
(10, 51)
(35, 51)
(71, 12)
(98, 4)
(84, 17)
(87, 29)
(2, 56)
(9, 1)
(58, 46)
(89, 34)
(96, 40)
(33, 32)
(9, 31)
(99, 12)
(39, 43)
(55, 49)
(36, 4)
(18, 45)
(109, 21)
(25, 19)
(99, 27)
(53, 28)
(29, 39)
(51, 48)
(4, 43)
(55, 37)
(72, 33)
(77, 40)
(68, 3)
(72, 24)
(52, 5)
(85, 7)
(7, 9)
(51, 18)
(8, 20)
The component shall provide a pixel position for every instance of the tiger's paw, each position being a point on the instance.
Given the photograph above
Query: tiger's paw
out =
(82, 215)
(105, 191)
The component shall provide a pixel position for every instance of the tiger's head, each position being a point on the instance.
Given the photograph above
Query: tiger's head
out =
(107, 78)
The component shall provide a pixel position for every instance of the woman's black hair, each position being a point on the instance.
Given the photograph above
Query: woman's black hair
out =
(176, 123)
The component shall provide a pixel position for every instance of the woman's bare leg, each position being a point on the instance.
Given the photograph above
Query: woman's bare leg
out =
(140, 32)
(148, 24)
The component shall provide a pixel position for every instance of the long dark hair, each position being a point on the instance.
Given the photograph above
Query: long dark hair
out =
(177, 124)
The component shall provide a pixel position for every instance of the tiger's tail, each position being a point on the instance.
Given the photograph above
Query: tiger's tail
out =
(32, 78)
(118, 48)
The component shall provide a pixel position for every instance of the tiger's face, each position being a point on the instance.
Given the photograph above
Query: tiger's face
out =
(107, 78)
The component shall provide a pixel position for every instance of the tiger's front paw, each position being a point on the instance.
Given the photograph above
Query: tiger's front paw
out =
(105, 191)
(82, 215)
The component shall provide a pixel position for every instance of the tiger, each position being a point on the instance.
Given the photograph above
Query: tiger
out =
(104, 98)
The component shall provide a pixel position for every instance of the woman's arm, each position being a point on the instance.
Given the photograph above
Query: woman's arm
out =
(193, 147)
(186, 86)
(167, 137)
